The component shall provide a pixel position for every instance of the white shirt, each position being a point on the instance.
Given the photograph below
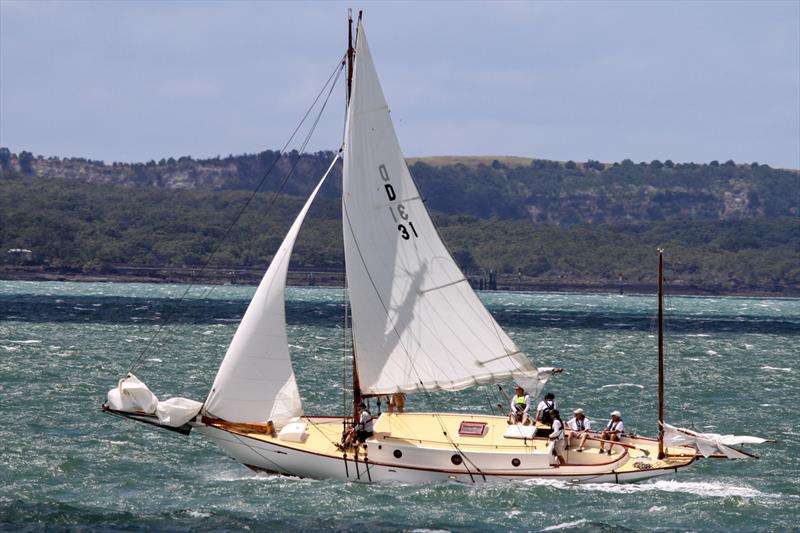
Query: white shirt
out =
(558, 430)
(365, 420)
(527, 404)
(543, 405)
(618, 426)
(573, 424)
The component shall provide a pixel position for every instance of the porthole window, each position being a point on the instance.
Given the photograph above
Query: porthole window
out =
(515, 461)
(456, 459)
(398, 454)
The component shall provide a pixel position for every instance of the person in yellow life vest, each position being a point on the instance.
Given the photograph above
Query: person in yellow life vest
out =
(520, 407)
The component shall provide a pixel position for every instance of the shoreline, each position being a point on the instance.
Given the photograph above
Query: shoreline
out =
(301, 278)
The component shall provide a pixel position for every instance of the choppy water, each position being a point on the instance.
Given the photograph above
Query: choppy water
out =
(732, 367)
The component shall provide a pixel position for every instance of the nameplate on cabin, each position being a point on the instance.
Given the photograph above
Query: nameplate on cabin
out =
(471, 429)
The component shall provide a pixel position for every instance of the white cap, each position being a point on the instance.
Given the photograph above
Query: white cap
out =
(616, 413)
(578, 411)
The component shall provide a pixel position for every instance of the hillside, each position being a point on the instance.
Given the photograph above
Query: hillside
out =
(550, 192)
(78, 227)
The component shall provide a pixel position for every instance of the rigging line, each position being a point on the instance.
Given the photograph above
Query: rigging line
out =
(320, 431)
(303, 147)
(244, 443)
(344, 356)
(334, 76)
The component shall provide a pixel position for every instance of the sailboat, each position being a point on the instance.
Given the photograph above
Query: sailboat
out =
(417, 327)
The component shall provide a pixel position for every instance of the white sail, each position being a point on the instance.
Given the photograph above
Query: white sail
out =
(417, 324)
(255, 382)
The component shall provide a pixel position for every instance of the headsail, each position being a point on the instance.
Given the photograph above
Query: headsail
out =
(417, 324)
(255, 382)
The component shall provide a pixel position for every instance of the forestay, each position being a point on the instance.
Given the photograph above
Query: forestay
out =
(417, 324)
(256, 382)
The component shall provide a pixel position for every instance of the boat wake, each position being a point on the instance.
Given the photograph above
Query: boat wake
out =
(620, 385)
(705, 489)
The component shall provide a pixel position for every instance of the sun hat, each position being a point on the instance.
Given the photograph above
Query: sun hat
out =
(578, 411)
(616, 413)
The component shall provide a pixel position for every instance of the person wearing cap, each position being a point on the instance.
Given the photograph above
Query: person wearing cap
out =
(557, 437)
(579, 426)
(613, 430)
(520, 407)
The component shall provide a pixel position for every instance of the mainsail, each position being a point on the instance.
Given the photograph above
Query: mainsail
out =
(417, 323)
(255, 382)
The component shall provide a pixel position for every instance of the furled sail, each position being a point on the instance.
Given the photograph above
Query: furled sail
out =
(417, 324)
(256, 382)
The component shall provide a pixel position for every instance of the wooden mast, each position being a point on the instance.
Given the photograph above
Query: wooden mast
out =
(660, 353)
(350, 57)
(350, 54)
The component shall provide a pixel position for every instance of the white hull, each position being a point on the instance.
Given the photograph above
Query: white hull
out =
(288, 460)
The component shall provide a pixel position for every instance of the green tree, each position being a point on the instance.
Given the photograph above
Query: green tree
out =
(26, 162)
(5, 158)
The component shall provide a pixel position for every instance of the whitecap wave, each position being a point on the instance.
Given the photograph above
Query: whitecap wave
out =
(565, 525)
(623, 385)
(780, 369)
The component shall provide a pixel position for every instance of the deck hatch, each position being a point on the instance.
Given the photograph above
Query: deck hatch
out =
(469, 428)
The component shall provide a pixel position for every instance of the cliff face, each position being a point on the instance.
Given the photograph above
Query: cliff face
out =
(548, 192)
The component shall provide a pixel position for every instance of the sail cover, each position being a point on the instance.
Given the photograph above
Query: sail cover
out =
(255, 382)
(417, 324)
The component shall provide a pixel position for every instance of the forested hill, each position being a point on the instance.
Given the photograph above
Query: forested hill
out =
(550, 192)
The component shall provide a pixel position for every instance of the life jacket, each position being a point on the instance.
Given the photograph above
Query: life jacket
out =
(558, 430)
(612, 425)
(579, 424)
(520, 404)
(547, 418)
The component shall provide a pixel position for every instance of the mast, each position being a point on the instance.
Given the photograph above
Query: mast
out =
(660, 353)
(350, 58)
(350, 54)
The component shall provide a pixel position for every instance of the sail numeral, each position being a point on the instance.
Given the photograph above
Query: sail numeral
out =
(403, 231)
(401, 209)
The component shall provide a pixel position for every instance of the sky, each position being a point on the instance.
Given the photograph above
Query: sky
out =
(134, 81)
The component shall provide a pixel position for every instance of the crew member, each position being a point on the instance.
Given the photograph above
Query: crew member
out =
(398, 401)
(612, 432)
(520, 407)
(362, 430)
(557, 437)
(545, 408)
(579, 427)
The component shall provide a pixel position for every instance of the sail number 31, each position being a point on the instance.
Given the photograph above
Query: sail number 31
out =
(404, 225)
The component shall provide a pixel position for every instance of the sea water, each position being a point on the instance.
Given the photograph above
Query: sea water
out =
(731, 367)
